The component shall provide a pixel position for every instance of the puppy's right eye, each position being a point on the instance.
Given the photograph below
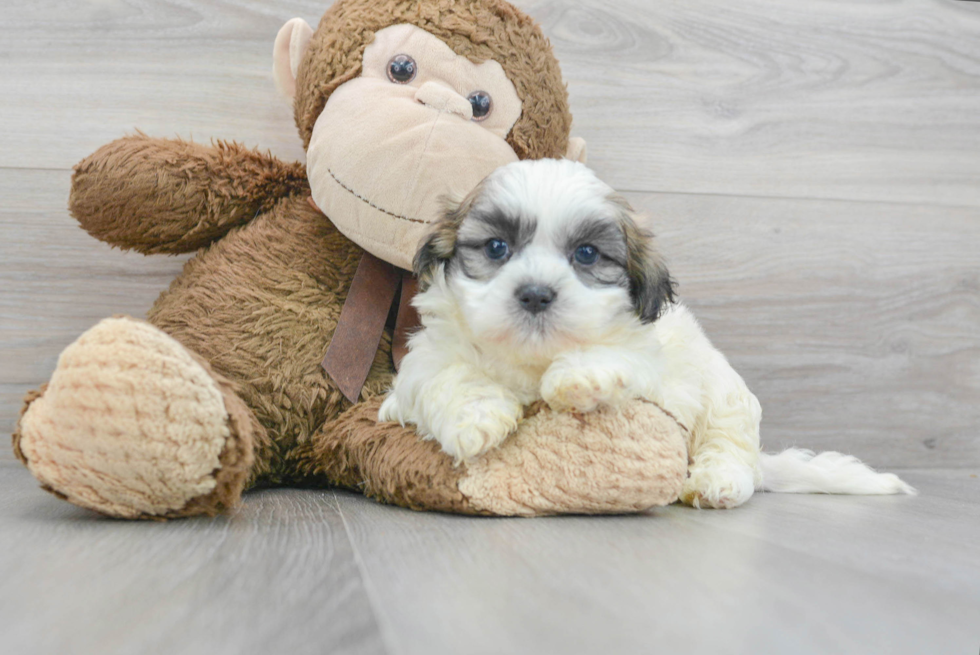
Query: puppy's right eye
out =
(496, 249)
(586, 255)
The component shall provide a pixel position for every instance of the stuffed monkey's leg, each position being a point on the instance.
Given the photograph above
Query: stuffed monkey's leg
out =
(601, 462)
(382, 460)
(133, 425)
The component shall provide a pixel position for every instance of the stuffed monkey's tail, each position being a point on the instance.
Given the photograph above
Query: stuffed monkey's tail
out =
(796, 471)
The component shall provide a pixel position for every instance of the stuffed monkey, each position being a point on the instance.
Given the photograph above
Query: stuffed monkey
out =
(398, 103)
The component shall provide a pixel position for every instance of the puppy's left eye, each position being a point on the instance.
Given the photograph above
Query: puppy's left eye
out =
(496, 249)
(586, 255)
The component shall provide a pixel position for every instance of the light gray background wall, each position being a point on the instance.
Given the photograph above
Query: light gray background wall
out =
(813, 170)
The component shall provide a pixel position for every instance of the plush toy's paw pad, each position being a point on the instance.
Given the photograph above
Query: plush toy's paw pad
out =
(718, 486)
(608, 461)
(476, 425)
(130, 424)
(575, 389)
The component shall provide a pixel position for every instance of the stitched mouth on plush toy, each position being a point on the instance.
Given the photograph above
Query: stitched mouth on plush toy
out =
(371, 204)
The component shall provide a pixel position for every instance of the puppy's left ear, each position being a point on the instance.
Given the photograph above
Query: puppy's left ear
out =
(440, 245)
(651, 287)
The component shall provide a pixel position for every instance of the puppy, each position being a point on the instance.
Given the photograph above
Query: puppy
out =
(541, 284)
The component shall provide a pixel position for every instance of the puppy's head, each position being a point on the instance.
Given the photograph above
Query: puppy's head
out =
(542, 255)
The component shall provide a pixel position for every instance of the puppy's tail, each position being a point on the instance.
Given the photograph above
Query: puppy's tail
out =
(796, 471)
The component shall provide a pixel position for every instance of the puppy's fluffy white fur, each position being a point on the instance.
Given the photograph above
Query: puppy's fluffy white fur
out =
(587, 334)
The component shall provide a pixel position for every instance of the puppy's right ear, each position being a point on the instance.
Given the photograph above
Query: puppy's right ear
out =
(439, 246)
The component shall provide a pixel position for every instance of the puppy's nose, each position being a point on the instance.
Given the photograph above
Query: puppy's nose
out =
(535, 298)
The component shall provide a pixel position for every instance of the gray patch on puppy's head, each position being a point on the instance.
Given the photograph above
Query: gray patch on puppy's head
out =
(608, 238)
(486, 222)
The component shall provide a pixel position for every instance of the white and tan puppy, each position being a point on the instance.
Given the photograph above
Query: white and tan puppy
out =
(542, 285)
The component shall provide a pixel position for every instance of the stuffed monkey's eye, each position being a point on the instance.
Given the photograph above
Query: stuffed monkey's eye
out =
(482, 104)
(496, 249)
(586, 255)
(402, 69)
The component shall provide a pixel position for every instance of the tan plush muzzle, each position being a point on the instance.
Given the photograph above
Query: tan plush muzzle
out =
(384, 155)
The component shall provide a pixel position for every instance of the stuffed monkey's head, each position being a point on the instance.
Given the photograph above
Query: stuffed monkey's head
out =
(403, 102)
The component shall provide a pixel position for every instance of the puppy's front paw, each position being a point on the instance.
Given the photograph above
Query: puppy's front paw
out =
(476, 425)
(568, 388)
(718, 486)
(389, 410)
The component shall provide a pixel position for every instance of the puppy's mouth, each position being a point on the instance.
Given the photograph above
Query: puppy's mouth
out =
(522, 329)
(541, 331)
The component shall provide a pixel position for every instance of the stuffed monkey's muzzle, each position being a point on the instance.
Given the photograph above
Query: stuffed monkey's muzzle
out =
(384, 155)
(441, 98)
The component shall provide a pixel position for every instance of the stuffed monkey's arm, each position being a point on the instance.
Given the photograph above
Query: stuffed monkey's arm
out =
(172, 196)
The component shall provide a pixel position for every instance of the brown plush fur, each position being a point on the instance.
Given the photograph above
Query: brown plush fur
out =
(477, 29)
(172, 196)
(260, 306)
(259, 303)
(383, 461)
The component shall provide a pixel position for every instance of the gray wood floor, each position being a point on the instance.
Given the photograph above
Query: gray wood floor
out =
(813, 171)
(321, 571)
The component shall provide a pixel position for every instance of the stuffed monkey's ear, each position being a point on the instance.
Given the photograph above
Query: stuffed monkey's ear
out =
(576, 149)
(287, 53)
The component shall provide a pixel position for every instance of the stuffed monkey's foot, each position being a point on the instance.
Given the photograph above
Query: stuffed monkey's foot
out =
(133, 425)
